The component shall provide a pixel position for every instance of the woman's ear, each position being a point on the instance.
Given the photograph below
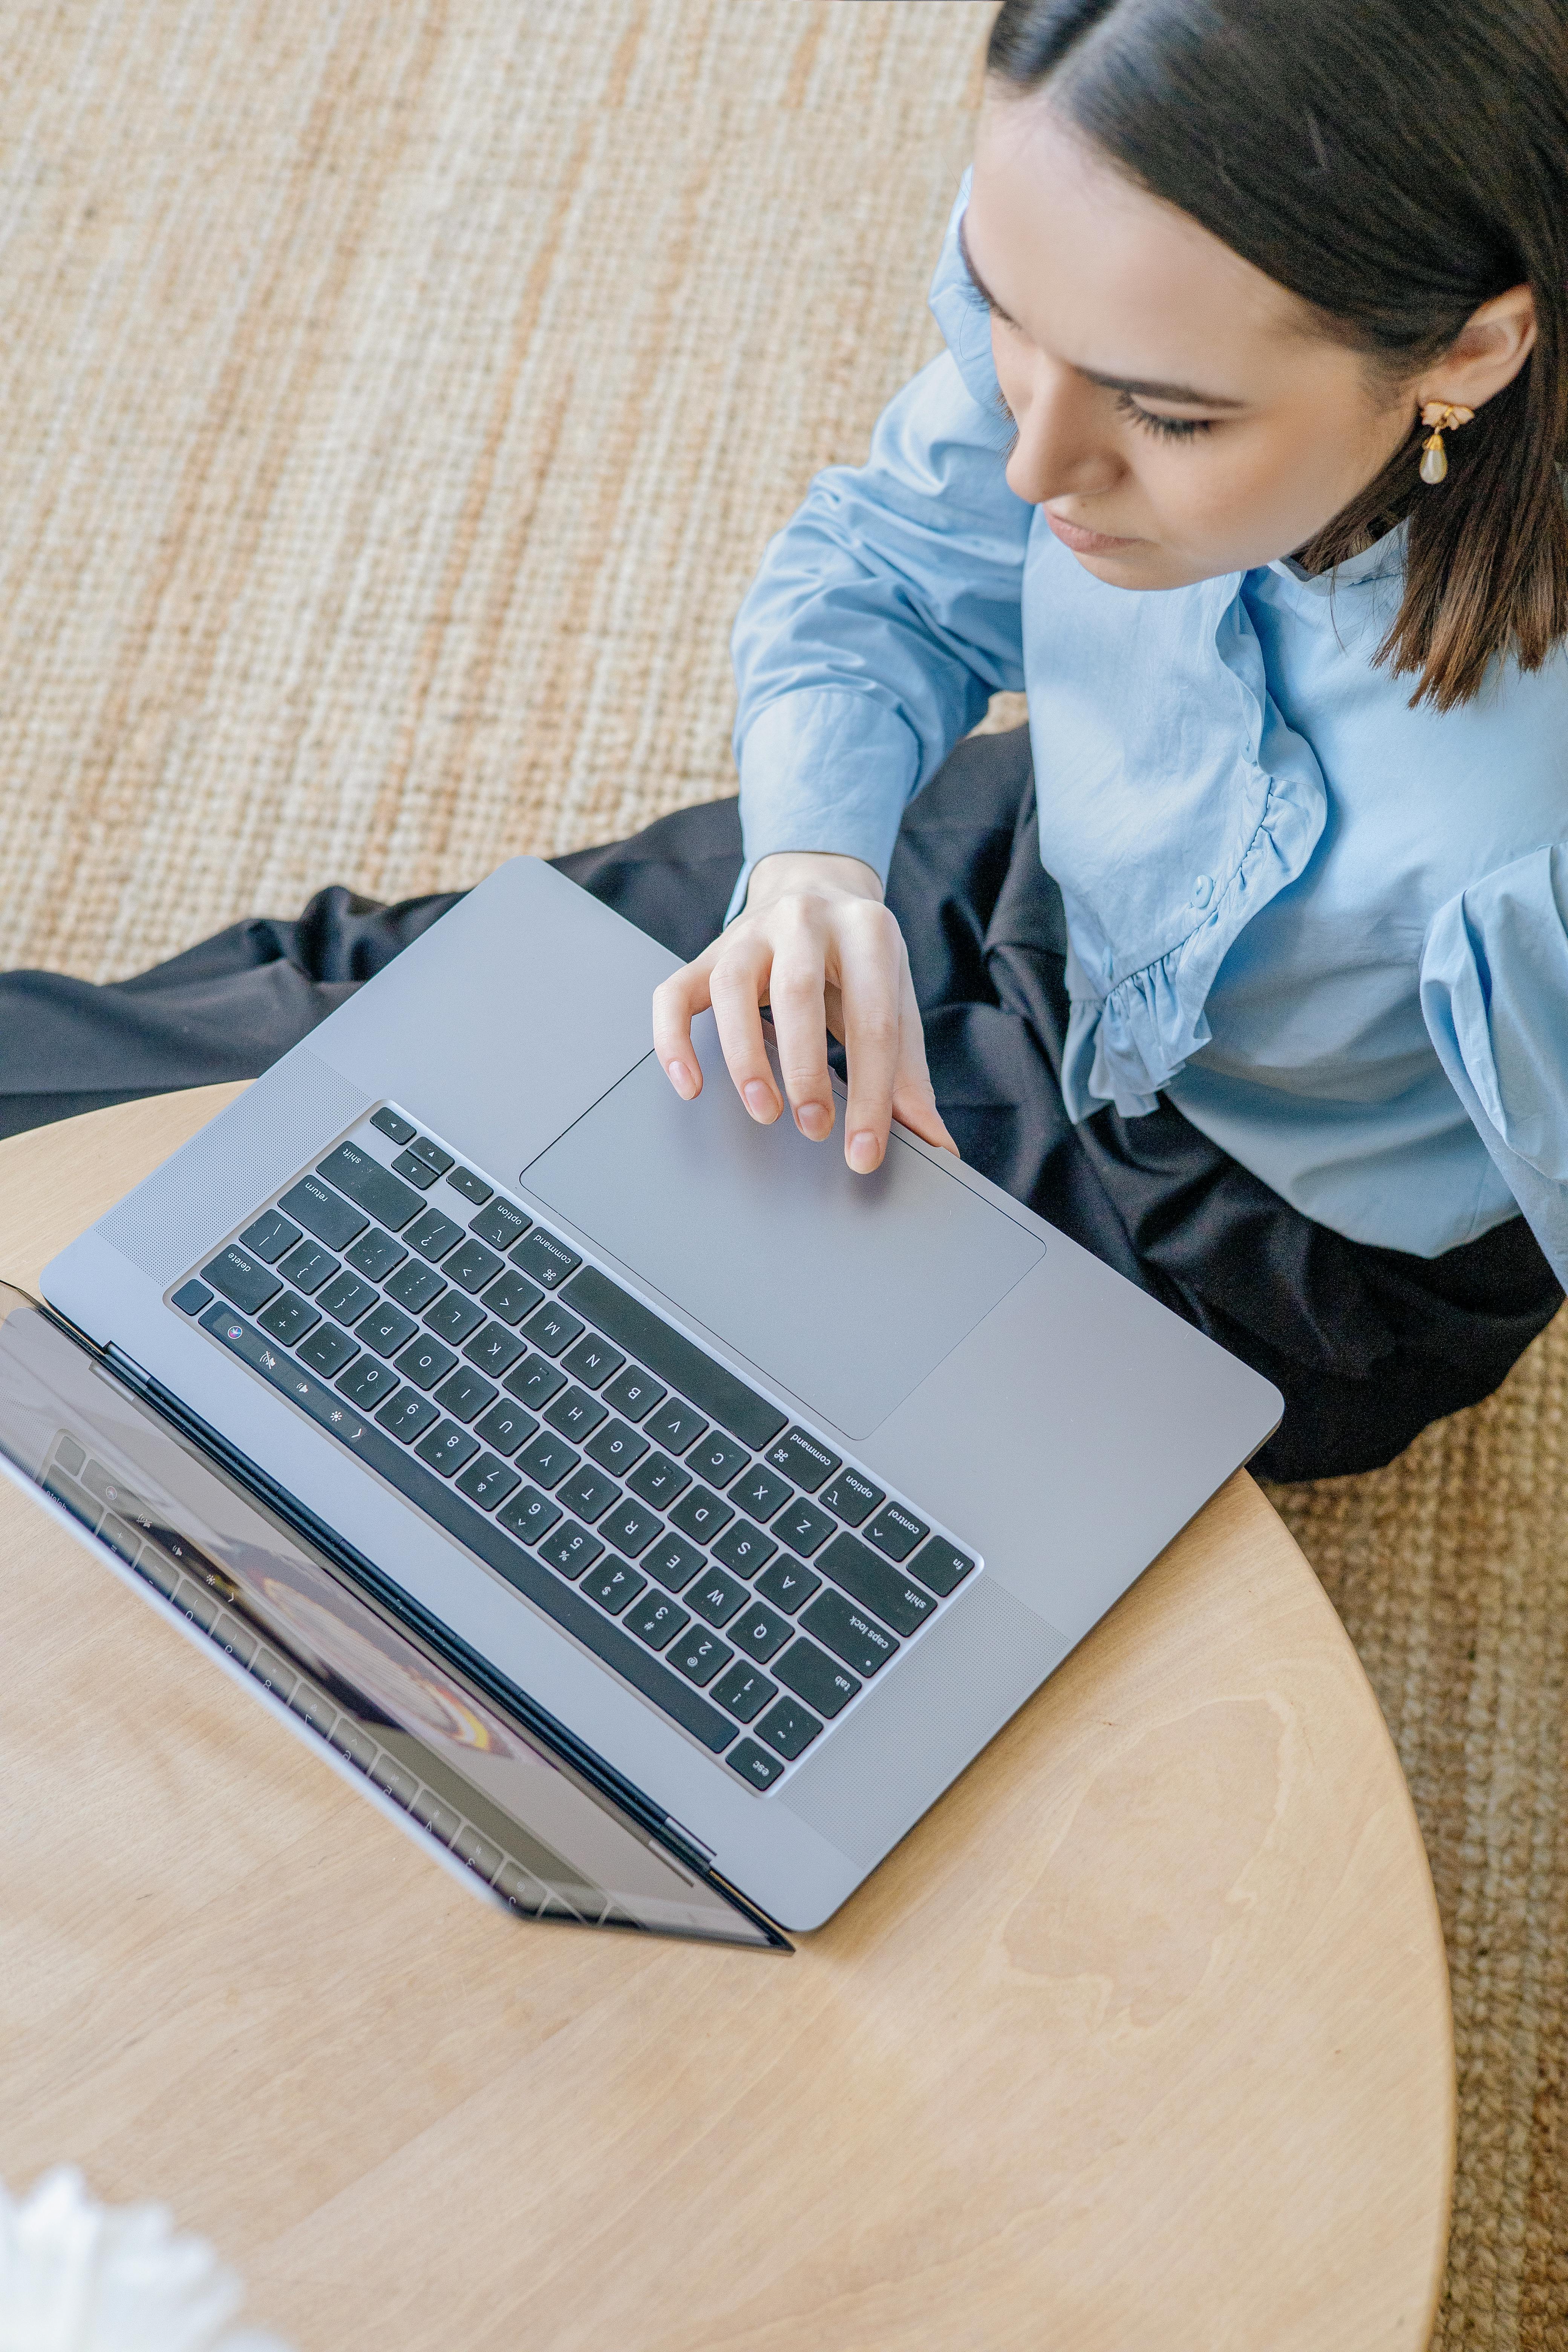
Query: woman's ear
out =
(1486, 354)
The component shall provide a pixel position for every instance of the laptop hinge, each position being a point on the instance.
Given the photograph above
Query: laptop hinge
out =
(690, 1837)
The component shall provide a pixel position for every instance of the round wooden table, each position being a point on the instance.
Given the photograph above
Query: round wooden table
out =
(1141, 2039)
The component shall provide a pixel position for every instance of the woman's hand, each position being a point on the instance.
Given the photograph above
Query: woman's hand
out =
(817, 946)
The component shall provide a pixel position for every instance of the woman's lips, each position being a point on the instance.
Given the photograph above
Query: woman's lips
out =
(1082, 542)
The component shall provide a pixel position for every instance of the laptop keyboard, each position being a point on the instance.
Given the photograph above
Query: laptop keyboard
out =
(727, 1561)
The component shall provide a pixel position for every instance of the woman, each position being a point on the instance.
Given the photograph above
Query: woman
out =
(1245, 966)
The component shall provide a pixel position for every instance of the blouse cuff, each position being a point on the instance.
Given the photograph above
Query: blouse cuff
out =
(828, 771)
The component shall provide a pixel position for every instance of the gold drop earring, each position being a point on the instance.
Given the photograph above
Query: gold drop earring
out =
(1443, 416)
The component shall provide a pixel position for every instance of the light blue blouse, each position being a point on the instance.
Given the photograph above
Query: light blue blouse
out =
(1333, 929)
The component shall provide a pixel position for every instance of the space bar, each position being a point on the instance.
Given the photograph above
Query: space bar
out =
(437, 1500)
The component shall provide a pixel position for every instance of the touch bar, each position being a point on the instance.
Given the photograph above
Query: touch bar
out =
(434, 1497)
(699, 1379)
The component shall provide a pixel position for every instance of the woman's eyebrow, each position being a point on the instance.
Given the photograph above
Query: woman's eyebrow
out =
(1142, 387)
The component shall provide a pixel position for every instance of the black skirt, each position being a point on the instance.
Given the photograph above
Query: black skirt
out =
(1367, 1345)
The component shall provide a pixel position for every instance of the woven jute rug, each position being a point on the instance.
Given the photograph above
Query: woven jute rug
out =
(396, 403)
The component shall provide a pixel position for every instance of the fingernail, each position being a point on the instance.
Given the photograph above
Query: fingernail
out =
(759, 1101)
(680, 1078)
(815, 1120)
(864, 1153)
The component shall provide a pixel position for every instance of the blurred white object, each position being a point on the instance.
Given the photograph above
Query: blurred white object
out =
(77, 2276)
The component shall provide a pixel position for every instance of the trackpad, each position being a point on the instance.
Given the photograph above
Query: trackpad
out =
(847, 1289)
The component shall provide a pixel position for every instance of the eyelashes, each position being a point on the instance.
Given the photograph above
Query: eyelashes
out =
(1166, 428)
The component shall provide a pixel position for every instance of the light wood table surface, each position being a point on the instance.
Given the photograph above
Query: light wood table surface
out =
(1142, 2039)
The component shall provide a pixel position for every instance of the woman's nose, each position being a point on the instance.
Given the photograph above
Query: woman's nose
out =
(1058, 449)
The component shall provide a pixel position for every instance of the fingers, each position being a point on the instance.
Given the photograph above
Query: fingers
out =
(913, 1101)
(871, 983)
(676, 1002)
(796, 991)
(737, 985)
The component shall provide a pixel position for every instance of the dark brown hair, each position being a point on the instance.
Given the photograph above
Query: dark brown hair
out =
(1394, 165)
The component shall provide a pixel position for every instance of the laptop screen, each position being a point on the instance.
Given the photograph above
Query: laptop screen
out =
(478, 1784)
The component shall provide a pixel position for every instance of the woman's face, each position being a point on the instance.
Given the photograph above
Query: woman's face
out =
(1178, 414)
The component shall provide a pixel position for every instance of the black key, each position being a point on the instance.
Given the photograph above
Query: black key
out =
(415, 1171)
(803, 1528)
(575, 1414)
(896, 1598)
(472, 1188)
(534, 1382)
(716, 1596)
(407, 1416)
(716, 1458)
(374, 1255)
(744, 1691)
(570, 1548)
(612, 1584)
(548, 1459)
(786, 1584)
(414, 1286)
(851, 1494)
(816, 1677)
(659, 1480)
(676, 1360)
(446, 1448)
(288, 1318)
(700, 1655)
(744, 1547)
(674, 1563)
(242, 1279)
(466, 1394)
(502, 1223)
(851, 1633)
(656, 1621)
(631, 1529)
(396, 1130)
(472, 1265)
(432, 1154)
(897, 1531)
(324, 1213)
(759, 1491)
(589, 1493)
(368, 1382)
(494, 1349)
(191, 1297)
(506, 1426)
(940, 1565)
(804, 1459)
(433, 1235)
(593, 1359)
(453, 1316)
(487, 1482)
(369, 1185)
(701, 1514)
(386, 1329)
(636, 1392)
(753, 1764)
(327, 1350)
(678, 1426)
(788, 1728)
(425, 1362)
(346, 1297)
(616, 1447)
(270, 1236)
(530, 1516)
(309, 1267)
(544, 1257)
(485, 1538)
(552, 1329)
(512, 1296)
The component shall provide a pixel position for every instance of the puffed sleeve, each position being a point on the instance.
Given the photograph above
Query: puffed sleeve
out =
(887, 611)
(1494, 993)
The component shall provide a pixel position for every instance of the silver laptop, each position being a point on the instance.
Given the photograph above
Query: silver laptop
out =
(672, 1513)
